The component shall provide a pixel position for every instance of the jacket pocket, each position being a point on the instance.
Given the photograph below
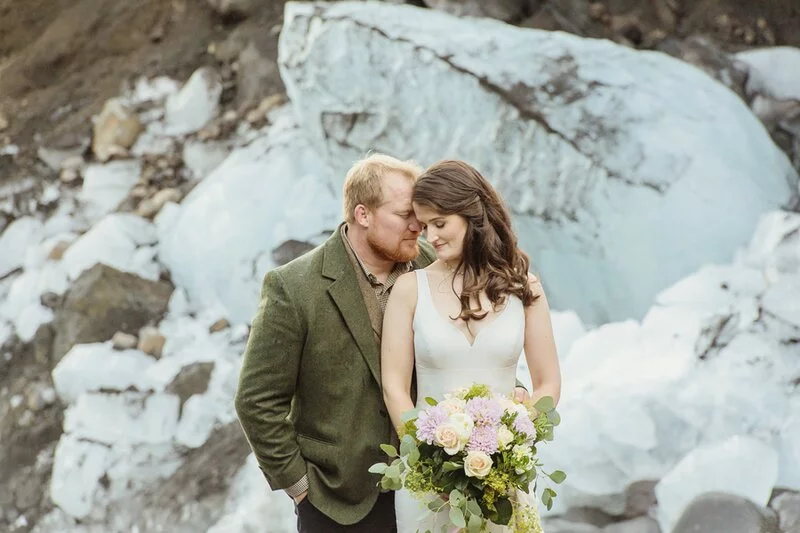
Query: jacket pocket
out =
(303, 436)
(323, 455)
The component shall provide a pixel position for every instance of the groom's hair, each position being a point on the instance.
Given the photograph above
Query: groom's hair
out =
(364, 180)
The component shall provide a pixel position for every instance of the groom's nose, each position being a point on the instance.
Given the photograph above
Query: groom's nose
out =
(414, 225)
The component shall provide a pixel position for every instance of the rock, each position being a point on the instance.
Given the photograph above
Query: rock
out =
(202, 482)
(124, 341)
(534, 129)
(559, 525)
(195, 105)
(505, 10)
(106, 186)
(74, 162)
(787, 505)
(3, 122)
(740, 466)
(151, 341)
(16, 238)
(256, 70)
(115, 130)
(69, 176)
(724, 512)
(588, 515)
(258, 116)
(202, 158)
(120, 240)
(234, 8)
(57, 252)
(640, 497)
(296, 200)
(102, 301)
(290, 250)
(707, 56)
(774, 72)
(643, 396)
(219, 325)
(55, 158)
(642, 524)
(43, 345)
(99, 367)
(150, 207)
(192, 379)
(573, 16)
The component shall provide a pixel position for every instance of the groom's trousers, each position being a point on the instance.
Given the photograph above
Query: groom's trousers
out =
(381, 519)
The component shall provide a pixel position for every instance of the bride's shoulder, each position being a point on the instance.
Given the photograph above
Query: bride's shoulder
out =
(406, 285)
(535, 284)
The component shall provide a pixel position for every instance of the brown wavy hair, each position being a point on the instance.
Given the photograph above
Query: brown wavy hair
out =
(491, 260)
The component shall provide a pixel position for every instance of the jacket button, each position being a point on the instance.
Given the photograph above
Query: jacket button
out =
(384, 413)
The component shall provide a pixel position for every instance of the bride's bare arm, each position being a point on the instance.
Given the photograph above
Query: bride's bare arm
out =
(540, 346)
(397, 348)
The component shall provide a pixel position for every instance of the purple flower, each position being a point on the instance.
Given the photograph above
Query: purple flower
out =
(523, 424)
(483, 439)
(485, 411)
(428, 420)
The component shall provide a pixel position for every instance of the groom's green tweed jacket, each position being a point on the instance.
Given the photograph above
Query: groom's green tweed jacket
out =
(309, 398)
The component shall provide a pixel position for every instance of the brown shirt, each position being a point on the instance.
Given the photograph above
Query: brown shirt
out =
(373, 290)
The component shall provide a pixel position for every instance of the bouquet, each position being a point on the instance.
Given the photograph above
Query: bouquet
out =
(476, 451)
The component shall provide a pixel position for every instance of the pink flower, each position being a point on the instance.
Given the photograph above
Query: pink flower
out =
(483, 439)
(485, 411)
(427, 422)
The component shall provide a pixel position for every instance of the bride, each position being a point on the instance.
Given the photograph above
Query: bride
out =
(468, 316)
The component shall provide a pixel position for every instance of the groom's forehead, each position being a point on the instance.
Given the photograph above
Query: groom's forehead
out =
(397, 188)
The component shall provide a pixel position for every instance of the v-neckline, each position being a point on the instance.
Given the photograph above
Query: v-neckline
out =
(449, 322)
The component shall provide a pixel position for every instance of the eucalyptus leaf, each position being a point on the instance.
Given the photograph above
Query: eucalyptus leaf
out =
(413, 457)
(431, 401)
(457, 517)
(406, 445)
(558, 476)
(450, 466)
(473, 508)
(389, 450)
(456, 498)
(392, 471)
(409, 415)
(545, 404)
(474, 524)
(378, 468)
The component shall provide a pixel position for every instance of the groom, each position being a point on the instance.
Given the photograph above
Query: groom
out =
(309, 398)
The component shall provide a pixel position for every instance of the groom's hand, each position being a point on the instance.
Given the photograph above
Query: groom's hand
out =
(300, 497)
(521, 395)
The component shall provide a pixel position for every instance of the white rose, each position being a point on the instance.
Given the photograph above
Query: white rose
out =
(463, 424)
(504, 437)
(453, 405)
(507, 404)
(477, 464)
(448, 438)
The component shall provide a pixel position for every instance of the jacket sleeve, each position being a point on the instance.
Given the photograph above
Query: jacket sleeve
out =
(267, 384)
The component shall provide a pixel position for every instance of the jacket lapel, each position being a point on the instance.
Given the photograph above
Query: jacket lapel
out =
(347, 296)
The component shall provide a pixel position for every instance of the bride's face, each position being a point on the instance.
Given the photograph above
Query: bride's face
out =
(444, 232)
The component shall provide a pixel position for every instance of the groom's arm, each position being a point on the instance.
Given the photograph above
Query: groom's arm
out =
(267, 385)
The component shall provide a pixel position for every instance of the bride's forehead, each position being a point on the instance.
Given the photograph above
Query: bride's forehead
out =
(426, 212)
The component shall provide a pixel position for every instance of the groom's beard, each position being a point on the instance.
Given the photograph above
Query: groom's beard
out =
(406, 251)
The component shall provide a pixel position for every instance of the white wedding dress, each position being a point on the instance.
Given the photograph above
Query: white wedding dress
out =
(445, 360)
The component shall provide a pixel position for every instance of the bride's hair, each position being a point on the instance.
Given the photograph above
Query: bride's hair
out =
(491, 260)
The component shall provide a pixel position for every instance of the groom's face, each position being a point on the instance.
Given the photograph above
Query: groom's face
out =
(393, 230)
